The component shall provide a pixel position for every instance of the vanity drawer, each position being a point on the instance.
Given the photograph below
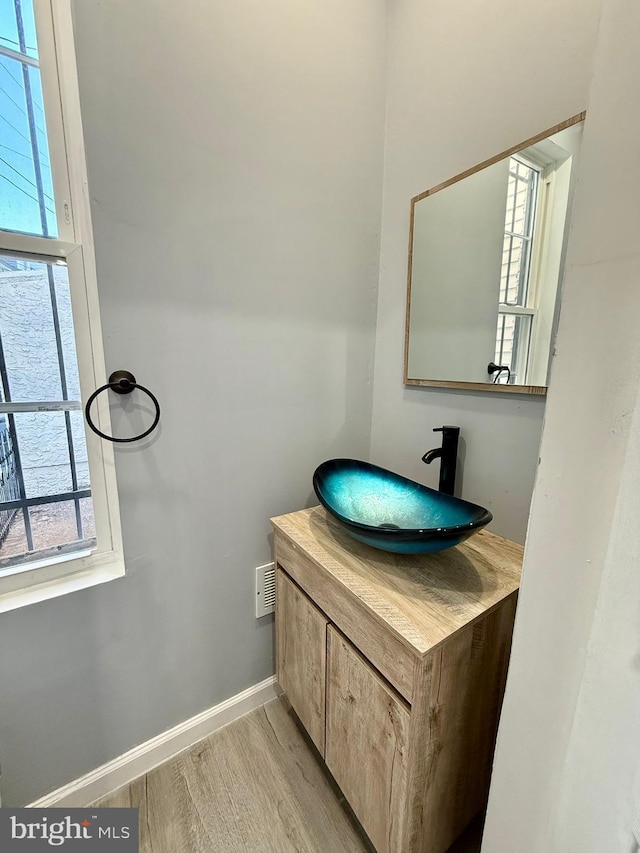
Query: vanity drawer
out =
(385, 650)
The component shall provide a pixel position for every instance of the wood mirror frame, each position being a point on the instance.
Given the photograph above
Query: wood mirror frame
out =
(454, 384)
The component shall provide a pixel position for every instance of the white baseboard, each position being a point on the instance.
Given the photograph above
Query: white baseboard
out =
(141, 759)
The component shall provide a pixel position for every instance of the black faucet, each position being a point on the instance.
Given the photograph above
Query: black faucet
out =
(448, 455)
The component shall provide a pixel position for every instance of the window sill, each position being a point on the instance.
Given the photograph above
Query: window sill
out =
(72, 581)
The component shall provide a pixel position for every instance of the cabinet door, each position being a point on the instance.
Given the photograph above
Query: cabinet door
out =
(367, 738)
(301, 638)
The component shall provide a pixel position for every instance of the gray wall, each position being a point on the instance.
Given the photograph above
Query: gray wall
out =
(567, 770)
(235, 161)
(465, 83)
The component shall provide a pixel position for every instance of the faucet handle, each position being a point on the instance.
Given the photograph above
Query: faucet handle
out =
(448, 428)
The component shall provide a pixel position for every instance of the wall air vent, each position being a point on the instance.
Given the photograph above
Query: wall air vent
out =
(265, 590)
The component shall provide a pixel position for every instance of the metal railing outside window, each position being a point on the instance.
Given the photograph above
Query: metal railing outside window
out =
(9, 490)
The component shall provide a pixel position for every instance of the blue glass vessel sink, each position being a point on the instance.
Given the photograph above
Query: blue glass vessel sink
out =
(387, 511)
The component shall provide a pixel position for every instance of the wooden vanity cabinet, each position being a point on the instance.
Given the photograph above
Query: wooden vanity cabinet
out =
(396, 665)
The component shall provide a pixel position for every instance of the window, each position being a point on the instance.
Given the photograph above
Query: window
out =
(515, 313)
(59, 525)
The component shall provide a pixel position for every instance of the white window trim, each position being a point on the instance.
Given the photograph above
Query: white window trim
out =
(36, 582)
(515, 309)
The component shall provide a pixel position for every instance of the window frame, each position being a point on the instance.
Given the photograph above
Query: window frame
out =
(39, 579)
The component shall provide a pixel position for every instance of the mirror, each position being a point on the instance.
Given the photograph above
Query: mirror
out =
(486, 259)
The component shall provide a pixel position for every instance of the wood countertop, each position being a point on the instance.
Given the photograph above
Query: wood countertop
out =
(422, 598)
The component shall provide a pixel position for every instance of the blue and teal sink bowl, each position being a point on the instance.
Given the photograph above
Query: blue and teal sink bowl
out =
(387, 511)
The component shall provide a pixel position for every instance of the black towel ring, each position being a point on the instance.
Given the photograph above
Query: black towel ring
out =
(122, 382)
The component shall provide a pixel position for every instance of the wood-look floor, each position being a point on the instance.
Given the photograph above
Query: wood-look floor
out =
(256, 786)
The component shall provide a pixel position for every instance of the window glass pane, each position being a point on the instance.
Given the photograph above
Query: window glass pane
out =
(67, 333)
(76, 420)
(27, 330)
(26, 188)
(88, 521)
(8, 25)
(512, 347)
(44, 453)
(512, 253)
(9, 33)
(504, 342)
(53, 528)
(45, 197)
(53, 525)
(29, 28)
(9, 490)
(13, 538)
(522, 190)
(520, 198)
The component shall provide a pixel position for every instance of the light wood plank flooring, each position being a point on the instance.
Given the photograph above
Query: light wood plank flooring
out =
(256, 786)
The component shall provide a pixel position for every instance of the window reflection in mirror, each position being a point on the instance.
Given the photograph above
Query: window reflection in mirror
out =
(486, 262)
